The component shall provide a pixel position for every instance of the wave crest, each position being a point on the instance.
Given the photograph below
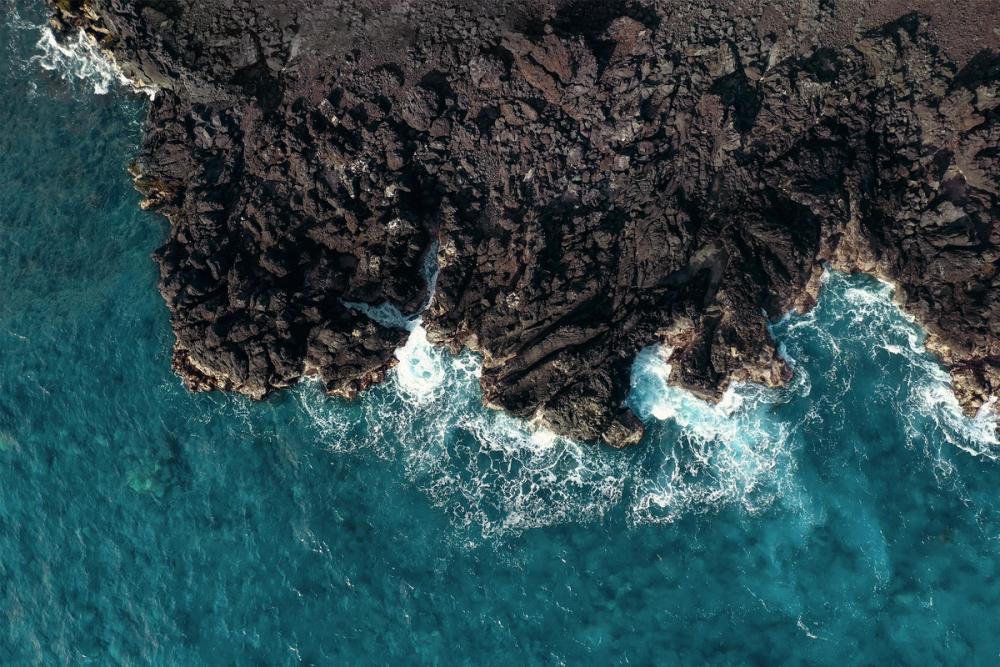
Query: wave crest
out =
(497, 475)
(491, 473)
(80, 58)
(733, 453)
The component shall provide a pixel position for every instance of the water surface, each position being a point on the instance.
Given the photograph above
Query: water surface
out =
(851, 518)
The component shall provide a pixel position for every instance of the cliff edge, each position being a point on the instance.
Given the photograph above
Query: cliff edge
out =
(594, 176)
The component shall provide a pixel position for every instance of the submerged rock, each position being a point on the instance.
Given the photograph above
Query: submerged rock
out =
(595, 177)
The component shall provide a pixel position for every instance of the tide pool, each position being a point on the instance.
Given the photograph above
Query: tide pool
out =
(850, 518)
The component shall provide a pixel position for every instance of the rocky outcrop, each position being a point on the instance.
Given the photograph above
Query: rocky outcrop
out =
(595, 177)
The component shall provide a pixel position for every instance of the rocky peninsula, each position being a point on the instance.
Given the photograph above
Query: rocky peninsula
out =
(594, 176)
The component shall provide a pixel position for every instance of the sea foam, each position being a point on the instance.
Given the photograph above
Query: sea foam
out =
(81, 58)
(732, 453)
(421, 371)
(490, 472)
(499, 475)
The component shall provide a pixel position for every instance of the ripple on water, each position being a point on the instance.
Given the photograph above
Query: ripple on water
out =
(501, 475)
(149, 525)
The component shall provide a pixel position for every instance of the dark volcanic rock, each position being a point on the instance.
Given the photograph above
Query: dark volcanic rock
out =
(598, 177)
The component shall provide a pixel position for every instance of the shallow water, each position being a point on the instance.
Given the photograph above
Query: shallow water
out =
(851, 518)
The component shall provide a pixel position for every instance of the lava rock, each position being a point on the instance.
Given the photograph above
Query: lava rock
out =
(593, 177)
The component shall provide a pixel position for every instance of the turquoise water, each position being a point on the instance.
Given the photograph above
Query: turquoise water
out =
(850, 519)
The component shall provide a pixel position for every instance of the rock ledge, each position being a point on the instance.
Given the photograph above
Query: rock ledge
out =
(595, 177)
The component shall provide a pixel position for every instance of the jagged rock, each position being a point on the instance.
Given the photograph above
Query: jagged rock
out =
(597, 177)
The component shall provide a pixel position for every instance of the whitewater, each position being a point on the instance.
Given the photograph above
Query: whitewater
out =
(850, 517)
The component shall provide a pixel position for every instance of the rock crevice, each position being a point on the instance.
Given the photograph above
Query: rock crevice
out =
(593, 177)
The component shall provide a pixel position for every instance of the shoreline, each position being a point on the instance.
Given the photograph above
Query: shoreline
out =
(596, 186)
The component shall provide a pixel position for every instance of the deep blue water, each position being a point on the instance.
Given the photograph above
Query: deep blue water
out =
(853, 518)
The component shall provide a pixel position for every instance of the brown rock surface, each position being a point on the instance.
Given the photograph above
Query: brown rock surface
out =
(598, 177)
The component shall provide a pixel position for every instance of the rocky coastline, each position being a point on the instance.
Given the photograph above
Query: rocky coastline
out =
(593, 176)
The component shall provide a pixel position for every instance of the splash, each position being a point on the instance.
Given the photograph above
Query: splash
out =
(929, 400)
(733, 453)
(81, 58)
(421, 371)
(499, 476)
(489, 472)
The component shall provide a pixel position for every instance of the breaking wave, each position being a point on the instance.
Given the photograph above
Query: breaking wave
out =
(498, 475)
(80, 58)
(736, 452)
(860, 324)
(488, 471)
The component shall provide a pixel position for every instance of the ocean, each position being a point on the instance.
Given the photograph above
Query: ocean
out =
(850, 518)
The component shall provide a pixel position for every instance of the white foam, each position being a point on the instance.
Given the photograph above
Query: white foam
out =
(498, 475)
(421, 370)
(81, 58)
(490, 472)
(976, 436)
(932, 395)
(930, 405)
(385, 314)
(729, 453)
